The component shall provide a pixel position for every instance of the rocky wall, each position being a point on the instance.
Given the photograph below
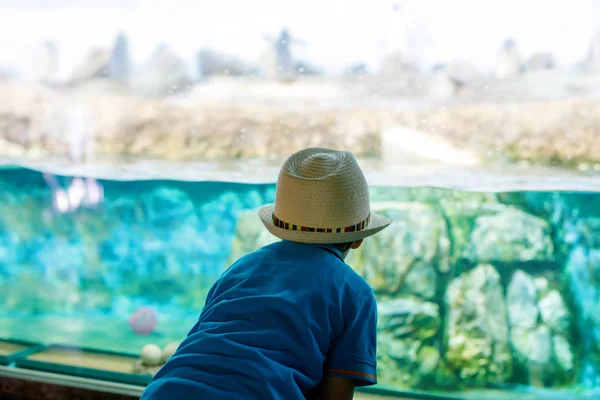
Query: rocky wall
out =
(106, 124)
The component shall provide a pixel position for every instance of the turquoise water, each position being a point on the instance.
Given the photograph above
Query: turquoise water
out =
(479, 293)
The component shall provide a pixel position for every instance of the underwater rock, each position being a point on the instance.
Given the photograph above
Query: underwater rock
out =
(573, 217)
(563, 353)
(406, 257)
(58, 260)
(250, 235)
(126, 210)
(460, 212)
(510, 235)
(539, 330)
(521, 301)
(535, 345)
(405, 363)
(409, 318)
(407, 329)
(575, 231)
(554, 312)
(476, 330)
(10, 244)
(428, 360)
(168, 207)
(583, 271)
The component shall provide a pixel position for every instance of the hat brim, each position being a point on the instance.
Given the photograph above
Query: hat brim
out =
(377, 223)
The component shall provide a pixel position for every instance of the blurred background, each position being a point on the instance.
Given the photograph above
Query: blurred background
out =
(138, 138)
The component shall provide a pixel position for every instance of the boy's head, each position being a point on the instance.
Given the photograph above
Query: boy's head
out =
(322, 197)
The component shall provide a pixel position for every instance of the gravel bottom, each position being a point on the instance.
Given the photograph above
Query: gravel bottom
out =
(7, 348)
(105, 362)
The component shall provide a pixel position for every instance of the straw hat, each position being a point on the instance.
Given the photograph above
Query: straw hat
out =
(321, 197)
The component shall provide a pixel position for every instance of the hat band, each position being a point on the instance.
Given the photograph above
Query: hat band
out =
(291, 227)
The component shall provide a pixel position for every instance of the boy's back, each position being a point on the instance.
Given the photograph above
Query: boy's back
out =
(273, 325)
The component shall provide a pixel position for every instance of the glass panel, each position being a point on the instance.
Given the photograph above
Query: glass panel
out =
(138, 139)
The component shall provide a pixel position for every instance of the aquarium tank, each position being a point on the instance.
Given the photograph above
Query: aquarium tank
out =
(139, 138)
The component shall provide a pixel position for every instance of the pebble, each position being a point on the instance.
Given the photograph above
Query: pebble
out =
(138, 368)
(151, 355)
(169, 350)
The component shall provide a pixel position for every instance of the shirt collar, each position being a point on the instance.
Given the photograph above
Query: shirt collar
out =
(326, 247)
(332, 249)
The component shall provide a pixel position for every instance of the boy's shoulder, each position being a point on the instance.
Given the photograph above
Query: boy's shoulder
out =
(308, 255)
(359, 285)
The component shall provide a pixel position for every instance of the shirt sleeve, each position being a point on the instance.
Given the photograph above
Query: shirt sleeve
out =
(354, 352)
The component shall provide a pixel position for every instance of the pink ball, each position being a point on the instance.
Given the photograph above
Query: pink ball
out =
(143, 321)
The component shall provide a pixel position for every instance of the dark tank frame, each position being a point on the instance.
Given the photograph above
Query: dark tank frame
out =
(25, 384)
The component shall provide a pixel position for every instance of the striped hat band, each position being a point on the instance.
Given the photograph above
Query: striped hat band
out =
(291, 227)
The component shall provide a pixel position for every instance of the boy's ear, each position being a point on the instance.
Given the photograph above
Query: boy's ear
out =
(356, 244)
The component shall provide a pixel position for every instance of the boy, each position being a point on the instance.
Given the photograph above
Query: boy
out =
(291, 320)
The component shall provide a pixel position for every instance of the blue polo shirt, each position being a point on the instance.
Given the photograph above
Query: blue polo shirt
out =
(274, 324)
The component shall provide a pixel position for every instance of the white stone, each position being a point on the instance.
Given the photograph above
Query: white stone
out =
(540, 283)
(554, 311)
(521, 301)
(151, 354)
(563, 353)
(534, 345)
(169, 350)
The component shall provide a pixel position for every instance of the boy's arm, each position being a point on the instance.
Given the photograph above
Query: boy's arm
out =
(352, 359)
(335, 388)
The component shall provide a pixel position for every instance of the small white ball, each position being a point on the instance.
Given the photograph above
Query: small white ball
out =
(151, 355)
(169, 350)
